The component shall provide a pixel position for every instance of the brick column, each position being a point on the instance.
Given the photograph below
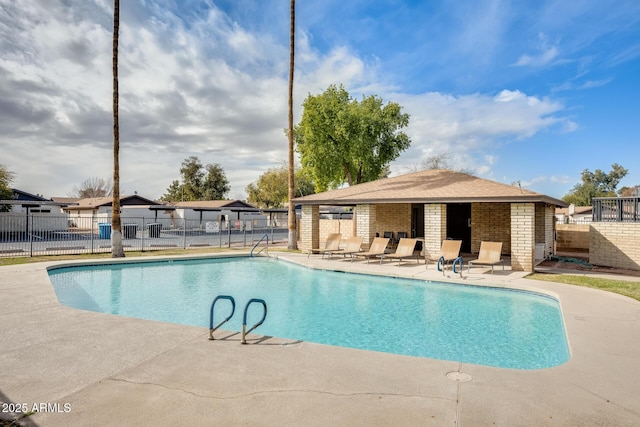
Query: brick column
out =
(366, 223)
(523, 232)
(435, 227)
(310, 222)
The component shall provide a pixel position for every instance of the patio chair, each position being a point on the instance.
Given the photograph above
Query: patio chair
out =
(332, 244)
(378, 246)
(490, 254)
(449, 251)
(404, 250)
(353, 245)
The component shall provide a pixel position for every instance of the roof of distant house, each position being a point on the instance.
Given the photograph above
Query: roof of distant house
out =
(577, 210)
(96, 202)
(23, 195)
(66, 200)
(213, 204)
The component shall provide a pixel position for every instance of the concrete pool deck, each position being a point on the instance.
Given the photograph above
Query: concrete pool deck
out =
(85, 368)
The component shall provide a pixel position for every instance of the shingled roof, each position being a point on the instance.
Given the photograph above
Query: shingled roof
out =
(213, 204)
(430, 186)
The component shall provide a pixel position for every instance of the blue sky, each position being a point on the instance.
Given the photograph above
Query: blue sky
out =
(533, 92)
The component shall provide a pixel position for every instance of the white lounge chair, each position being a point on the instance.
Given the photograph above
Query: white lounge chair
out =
(450, 251)
(490, 254)
(378, 246)
(353, 245)
(404, 250)
(332, 244)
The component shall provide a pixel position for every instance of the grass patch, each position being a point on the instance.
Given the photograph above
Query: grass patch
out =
(105, 255)
(131, 254)
(623, 287)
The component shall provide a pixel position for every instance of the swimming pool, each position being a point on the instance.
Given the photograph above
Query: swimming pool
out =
(487, 326)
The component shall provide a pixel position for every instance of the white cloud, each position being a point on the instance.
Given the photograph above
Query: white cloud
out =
(206, 87)
(550, 179)
(545, 54)
(466, 126)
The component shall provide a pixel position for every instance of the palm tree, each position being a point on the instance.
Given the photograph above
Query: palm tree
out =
(117, 251)
(293, 244)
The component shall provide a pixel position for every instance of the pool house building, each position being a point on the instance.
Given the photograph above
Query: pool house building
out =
(435, 205)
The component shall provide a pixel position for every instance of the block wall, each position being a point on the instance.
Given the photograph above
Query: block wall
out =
(540, 222)
(615, 244)
(393, 217)
(310, 227)
(572, 237)
(342, 226)
(491, 222)
(366, 218)
(523, 231)
(435, 228)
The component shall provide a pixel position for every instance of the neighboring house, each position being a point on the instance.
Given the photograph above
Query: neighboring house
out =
(24, 202)
(438, 204)
(103, 205)
(574, 214)
(87, 213)
(234, 212)
(63, 202)
(24, 206)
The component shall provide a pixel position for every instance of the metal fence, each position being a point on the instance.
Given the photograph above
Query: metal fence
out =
(616, 209)
(46, 234)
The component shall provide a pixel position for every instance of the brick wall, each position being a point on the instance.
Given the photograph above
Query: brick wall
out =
(366, 218)
(328, 226)
(615, 244)
(309, 227)
(540, 217)
(572, 237)
(393, 217)
(342, 226)
(523, 230)
(435, 228)
(491, 222)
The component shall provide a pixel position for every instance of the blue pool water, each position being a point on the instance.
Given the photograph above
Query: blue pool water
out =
(487, 326)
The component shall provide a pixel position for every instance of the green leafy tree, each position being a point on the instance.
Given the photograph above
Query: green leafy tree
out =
(6, 193)
(629, 191)
(342, 140)
(199, 182)
(173, 193)
(271, 189)
(215, 185)
(595, 184)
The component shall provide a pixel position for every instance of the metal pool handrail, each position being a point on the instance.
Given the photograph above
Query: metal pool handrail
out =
(266, 248)
(457, 261)
(244, 317)
(233, 309)
(442, 265)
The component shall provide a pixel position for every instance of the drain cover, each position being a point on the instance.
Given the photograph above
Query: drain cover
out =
(459, 376)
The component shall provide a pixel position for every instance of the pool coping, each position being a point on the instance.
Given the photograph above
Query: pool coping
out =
(131, 371)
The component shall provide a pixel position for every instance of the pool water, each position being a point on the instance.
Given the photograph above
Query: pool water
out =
(486, 326)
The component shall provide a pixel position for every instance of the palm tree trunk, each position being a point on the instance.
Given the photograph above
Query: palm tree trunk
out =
(293, 239)
(117, 251)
